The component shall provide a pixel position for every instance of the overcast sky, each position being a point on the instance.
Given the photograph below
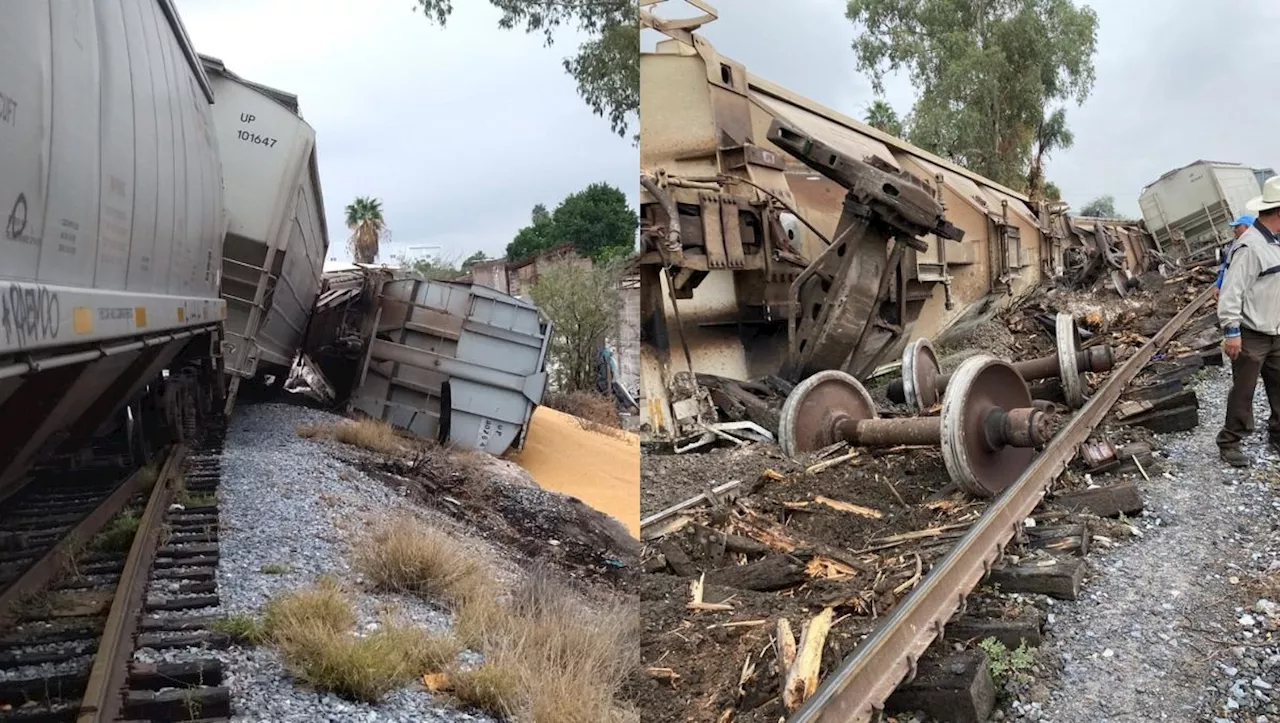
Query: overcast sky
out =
(459, 131)
(1173, 82)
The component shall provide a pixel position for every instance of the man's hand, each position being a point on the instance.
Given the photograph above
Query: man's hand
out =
(1217, 291)
(1231, 347)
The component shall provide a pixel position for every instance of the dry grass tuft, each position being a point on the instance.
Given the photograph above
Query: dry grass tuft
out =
(405, 555)
(374, 435)
(569, 654)
(490, 688)
(312, 630)
(592, 408)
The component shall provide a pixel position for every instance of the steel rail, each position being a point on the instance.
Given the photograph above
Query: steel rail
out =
(855, 691)
(102, 700)
(42, 571)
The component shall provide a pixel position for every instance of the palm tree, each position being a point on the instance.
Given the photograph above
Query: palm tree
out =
(364, 218)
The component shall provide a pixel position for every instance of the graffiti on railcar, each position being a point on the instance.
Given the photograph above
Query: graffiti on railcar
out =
(29, 314)
(17, 222)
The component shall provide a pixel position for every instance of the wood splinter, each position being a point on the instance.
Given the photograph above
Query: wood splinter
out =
(696, 603)
(802, 676)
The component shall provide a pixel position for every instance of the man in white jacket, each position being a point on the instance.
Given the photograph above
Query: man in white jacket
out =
(1249, 313)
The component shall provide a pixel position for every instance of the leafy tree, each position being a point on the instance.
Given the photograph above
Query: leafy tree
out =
(607, 65)
(1104, 206)
(538, 236)
(1052, 133)
(368, 228)
(597, 220)
(1052, 192)
(473, 259)
(584, 304)
(882, 115)
(985, 73)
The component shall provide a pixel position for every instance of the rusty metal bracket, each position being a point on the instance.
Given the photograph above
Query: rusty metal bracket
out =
(854, 691)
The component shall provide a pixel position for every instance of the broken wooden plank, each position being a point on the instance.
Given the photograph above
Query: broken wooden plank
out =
(1062, 539)
(956, 689)
(836, 505)
(1058, 577)
(1132, 408)
(773, 573)
(1026, 627)
(677, 560)
(1110, 501)
(1155, 390)
(802, 676)
(1181, 419)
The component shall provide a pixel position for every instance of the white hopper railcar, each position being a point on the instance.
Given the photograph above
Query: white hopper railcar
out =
(111, 196)
(276, 242)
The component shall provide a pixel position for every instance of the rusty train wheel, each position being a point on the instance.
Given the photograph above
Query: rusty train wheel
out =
(813, 411)
(920, 372)
(981, 384)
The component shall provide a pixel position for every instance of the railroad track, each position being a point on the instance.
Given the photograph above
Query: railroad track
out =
(960, 558)
(858, 689)
(101, 644)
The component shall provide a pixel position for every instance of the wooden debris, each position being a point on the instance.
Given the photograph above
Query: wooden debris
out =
(884, 543)
(1181, 419)
(1072, 539)
(1058, 577)
(773, 573)
(696, 603)
(744, 545)
(772, 534)
(1154, 391)
(836, 505)
(773, 475)
(802, 675)
(1027, 627)
(825, 567)
(677, 560)
(1127, 410)
(739, 624)
(1110, 501)
(786, 647)
(657, 563)
(666, 674)
(956, 688)
(829, 463)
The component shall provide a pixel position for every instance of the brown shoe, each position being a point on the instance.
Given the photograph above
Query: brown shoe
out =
(1234, 457)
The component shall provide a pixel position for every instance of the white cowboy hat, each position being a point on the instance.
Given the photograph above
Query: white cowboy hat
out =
(1270, 197)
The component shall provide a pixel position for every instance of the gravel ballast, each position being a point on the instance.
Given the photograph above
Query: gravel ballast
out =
(1174, 626)
(288, 507)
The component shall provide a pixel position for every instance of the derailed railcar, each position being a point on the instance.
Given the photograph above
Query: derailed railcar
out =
(741, 201)
(277, 239)
(113, 224)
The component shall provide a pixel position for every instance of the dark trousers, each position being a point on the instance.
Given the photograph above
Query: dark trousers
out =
(1259, 356)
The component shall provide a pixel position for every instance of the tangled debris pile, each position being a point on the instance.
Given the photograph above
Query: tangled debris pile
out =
(813, 552)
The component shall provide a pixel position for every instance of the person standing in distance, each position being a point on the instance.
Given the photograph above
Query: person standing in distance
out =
(1238, 226)
(1249, 312)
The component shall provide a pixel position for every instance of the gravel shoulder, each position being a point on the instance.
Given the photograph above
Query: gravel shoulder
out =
(286, 503)
(1176, 625)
